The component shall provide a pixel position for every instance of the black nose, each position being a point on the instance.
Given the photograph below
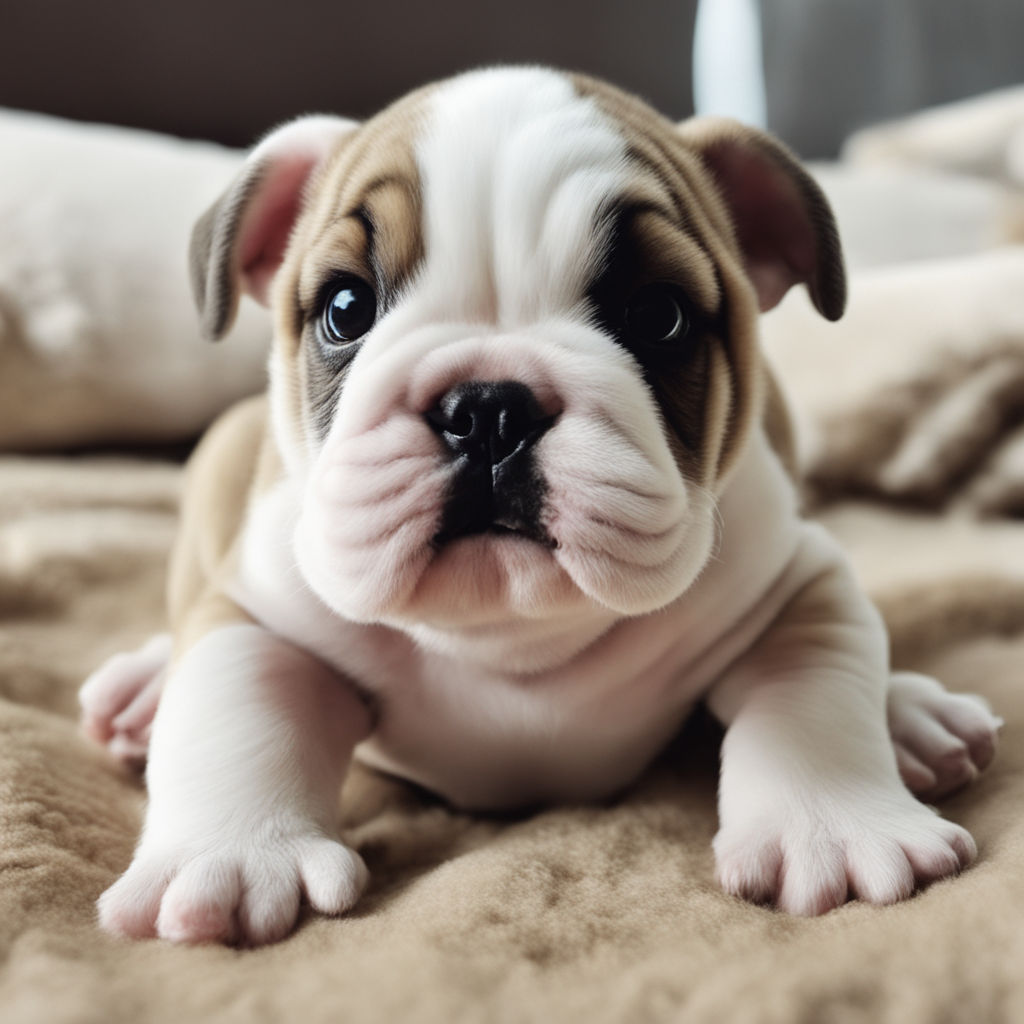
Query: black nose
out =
(488, 421)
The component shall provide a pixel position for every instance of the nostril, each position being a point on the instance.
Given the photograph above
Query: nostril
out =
(460, 424)
(451, 417)
(488, 421)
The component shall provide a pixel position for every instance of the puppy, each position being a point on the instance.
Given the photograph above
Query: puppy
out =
(516, 500)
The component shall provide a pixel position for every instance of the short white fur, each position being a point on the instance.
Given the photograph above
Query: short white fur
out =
(540, 676)
(519, 173)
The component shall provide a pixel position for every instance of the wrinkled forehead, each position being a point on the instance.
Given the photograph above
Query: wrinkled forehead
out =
(517, 169)
(496, 191)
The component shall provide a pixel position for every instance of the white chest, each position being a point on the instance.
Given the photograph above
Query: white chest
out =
(581, 730)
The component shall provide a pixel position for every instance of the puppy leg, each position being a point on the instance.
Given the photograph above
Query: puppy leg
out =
(119, 699)
(812, 808)
(942, 740)
(250, 742)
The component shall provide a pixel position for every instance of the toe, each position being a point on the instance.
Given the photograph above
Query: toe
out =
(916, 775)
(931, 859)
(953, 774)
(142, 709)
(130, 906)
(962, 843)
(971, 719)
(931, 741)
(879, 871)
(813, 878)
(269, 904)
(749, 864)
(109, 690)
(333, 876)
(200, 903)
(943, 753)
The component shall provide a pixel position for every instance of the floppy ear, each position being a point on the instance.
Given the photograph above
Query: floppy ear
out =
(783, 222)
(238, 244)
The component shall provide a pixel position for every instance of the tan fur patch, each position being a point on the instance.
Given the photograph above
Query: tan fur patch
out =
(778, 426)
(235, 459)
(688, 232)
(365, 219)
(370, 181)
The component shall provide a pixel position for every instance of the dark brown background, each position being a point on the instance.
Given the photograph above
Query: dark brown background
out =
(229, 69)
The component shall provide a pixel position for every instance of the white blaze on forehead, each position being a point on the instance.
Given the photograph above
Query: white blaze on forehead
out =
(516, 169)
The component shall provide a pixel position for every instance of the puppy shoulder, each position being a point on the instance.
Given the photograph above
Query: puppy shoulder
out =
(778, 426)
(234, 462)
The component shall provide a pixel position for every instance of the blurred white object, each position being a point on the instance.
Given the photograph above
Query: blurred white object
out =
(99, 339)
(728, 72)
(904, 324)
(983, 135)
(891, 213)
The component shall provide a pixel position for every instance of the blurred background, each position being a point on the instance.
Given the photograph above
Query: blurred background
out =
(96, 219)
(811, 70)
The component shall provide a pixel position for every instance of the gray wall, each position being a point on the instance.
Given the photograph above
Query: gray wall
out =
(832, 66)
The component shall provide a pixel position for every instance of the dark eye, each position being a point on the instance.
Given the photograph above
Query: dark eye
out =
(349, 311)
(656, 315)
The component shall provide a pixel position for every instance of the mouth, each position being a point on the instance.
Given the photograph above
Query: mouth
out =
(473, 524)
(504, 503)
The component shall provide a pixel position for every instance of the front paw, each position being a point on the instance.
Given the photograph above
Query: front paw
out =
(942, 740)
(811, 857)
(236, 893)
(120, 699)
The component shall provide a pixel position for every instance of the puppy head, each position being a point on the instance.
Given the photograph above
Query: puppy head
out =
(515, 341)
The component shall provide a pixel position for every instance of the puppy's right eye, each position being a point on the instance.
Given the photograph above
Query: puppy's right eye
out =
(349, 310)
(657, 316)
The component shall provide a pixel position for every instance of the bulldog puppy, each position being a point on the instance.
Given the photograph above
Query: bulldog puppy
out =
(517, 499)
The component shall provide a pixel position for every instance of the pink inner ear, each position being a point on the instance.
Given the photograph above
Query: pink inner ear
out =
(770, 215)
(269, 219)
(770, 281)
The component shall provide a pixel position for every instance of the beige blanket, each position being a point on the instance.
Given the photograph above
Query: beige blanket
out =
(916, 459)
(576, 913)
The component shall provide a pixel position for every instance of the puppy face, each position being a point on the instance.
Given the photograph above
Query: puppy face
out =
(515, 347)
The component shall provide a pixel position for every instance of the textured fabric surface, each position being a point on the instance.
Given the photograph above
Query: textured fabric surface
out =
(576, 913)
(594, 914)
(915, 396)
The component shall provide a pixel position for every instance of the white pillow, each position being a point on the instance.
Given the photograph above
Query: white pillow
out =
(99, 339)
(900, 213)
(983, 135)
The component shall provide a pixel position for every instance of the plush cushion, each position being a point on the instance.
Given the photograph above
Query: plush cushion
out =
(901, 213)
(916, 394)
(98, 336)
(983, 135)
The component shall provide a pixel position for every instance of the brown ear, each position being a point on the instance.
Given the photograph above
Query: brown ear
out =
(238, 244)
(782, 220)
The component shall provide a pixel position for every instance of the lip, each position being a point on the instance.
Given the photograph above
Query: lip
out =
(506, 499)
(503, 528)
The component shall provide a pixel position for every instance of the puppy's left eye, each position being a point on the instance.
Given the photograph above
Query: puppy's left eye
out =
(349, 310)
(657, 316)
